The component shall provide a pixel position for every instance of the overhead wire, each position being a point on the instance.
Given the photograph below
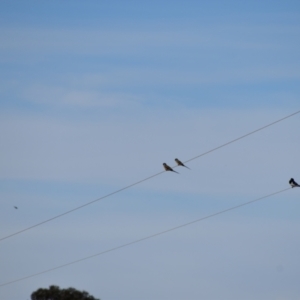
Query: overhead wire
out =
(146, 238)
(145, 179)
(243, 136)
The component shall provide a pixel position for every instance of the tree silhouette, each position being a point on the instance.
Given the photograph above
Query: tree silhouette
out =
(55, 293)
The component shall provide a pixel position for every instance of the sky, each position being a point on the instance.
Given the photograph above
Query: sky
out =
(96, 95)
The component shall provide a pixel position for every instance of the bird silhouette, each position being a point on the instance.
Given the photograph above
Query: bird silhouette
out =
(15, 207)
(179, 163)
(293, 183)
(168, 168)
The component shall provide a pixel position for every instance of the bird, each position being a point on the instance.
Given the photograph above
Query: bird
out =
(168, 168)
(293, 183)
(15, 207)
(179, 163)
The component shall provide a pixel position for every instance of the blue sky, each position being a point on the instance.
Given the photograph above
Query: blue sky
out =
(97, 95)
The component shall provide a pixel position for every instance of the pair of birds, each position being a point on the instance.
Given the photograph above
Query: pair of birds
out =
(179, 163)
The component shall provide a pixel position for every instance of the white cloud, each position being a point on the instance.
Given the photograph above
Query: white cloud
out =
(238, 36)
(70, 97)
(160, 77)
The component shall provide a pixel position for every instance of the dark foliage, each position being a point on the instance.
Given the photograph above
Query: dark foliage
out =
(55, 293)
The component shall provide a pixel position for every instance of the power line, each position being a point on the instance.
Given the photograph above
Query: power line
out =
(145, 179)
(146, 238)
(243, 136)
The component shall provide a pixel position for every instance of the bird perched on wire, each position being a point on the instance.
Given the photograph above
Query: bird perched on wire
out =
(293, 183)
(180, 163)
(168, 168)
